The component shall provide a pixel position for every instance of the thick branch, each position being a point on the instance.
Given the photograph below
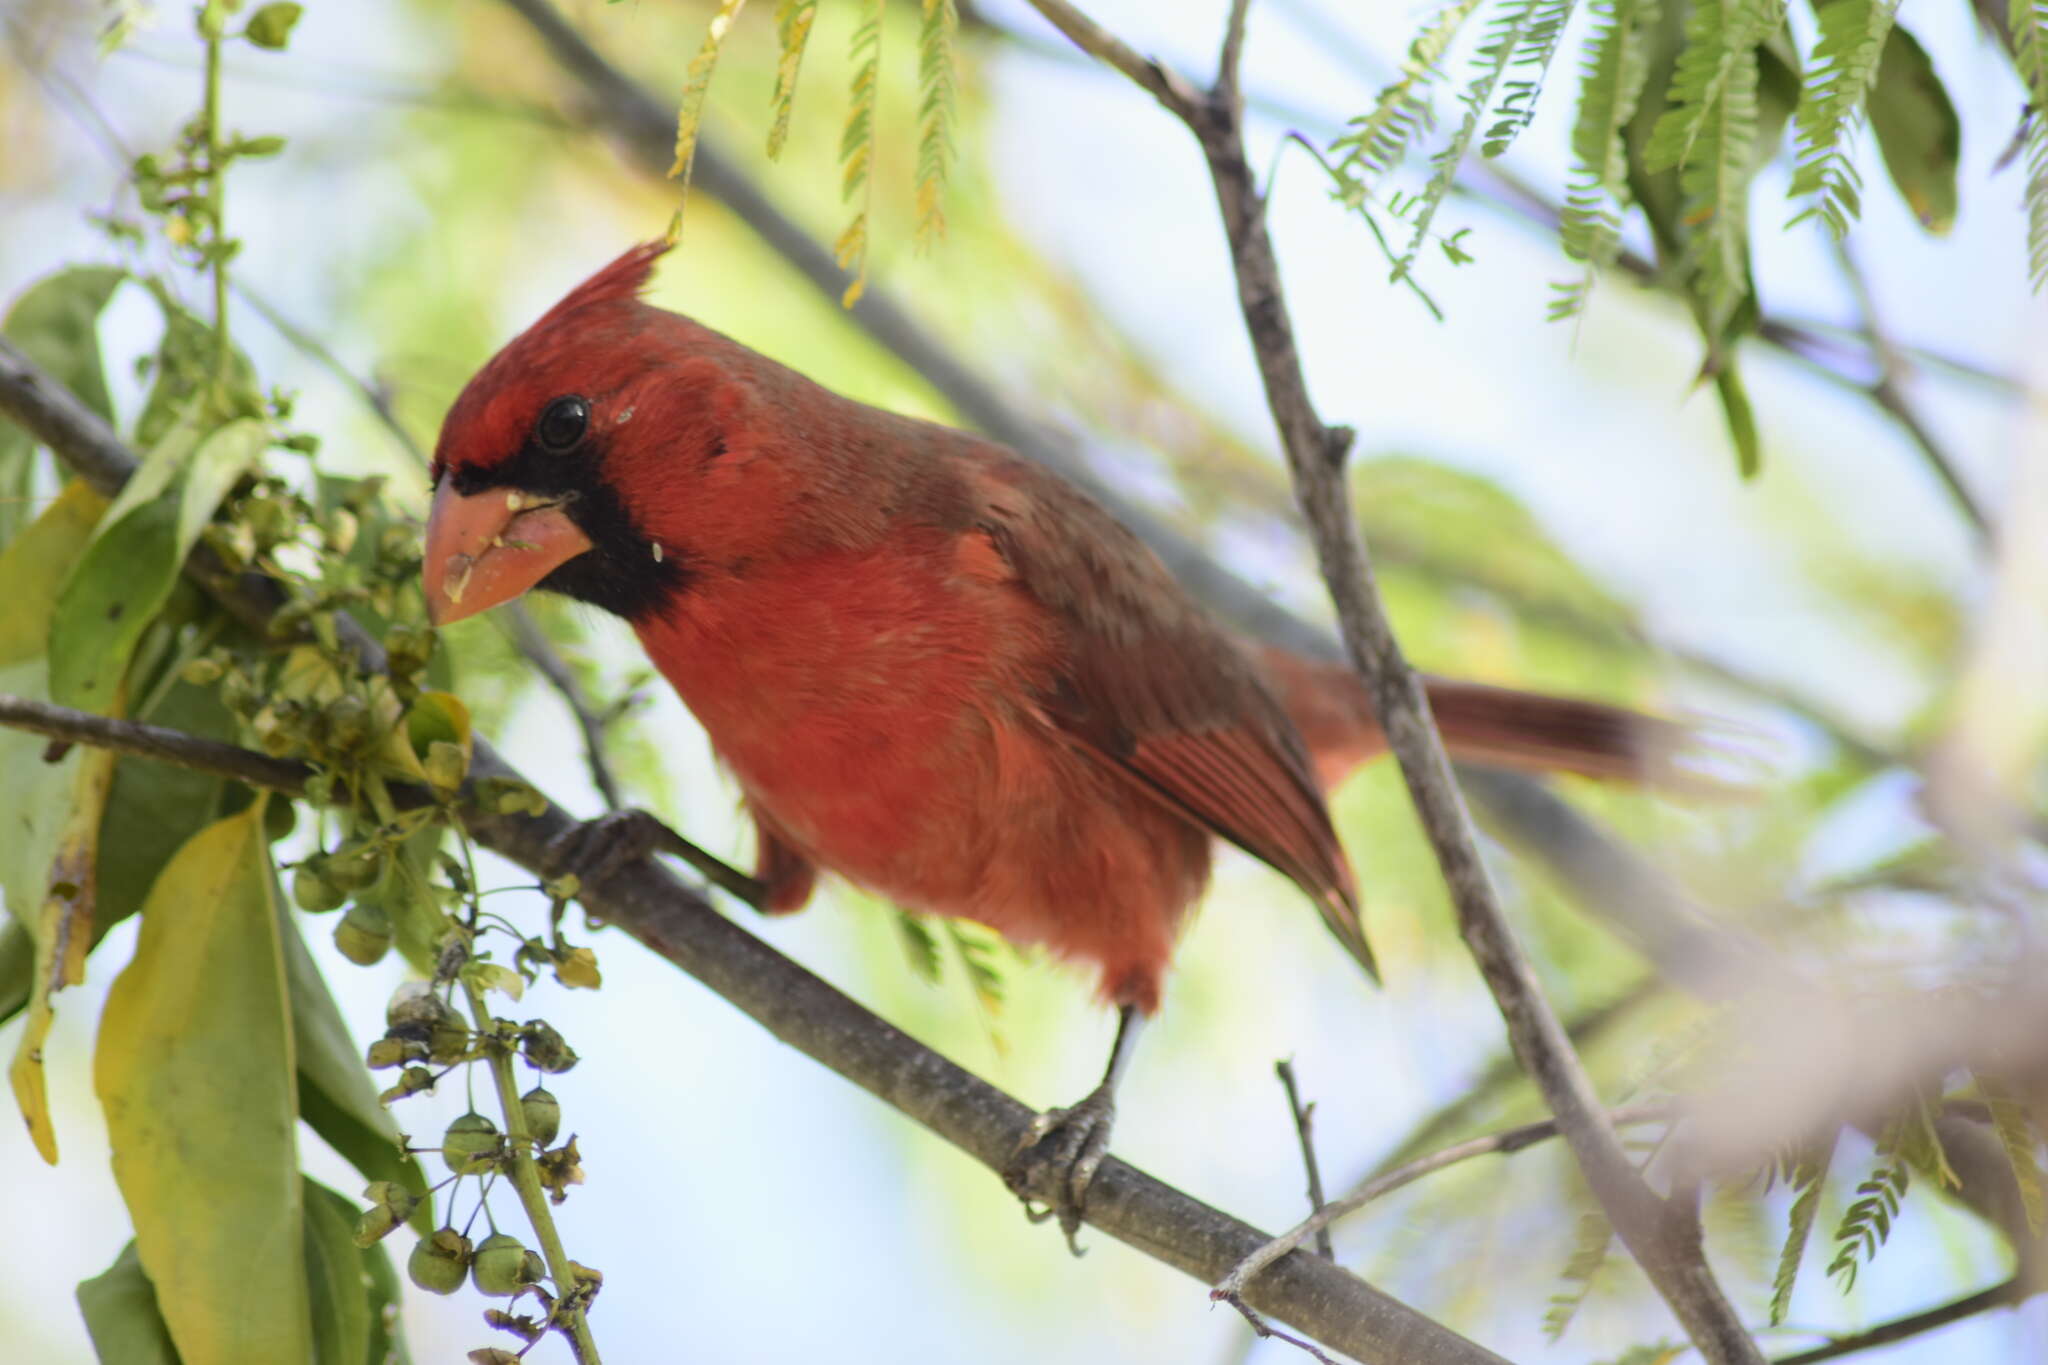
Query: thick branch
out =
(801, 1009)
(1656, 1235)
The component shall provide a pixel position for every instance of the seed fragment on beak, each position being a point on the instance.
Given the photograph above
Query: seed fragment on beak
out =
(657, 552)
(458, 577)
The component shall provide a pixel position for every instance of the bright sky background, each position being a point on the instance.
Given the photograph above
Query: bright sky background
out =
(747, 1205)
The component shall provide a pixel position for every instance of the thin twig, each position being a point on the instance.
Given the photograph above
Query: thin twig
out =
(1888, 391)
(675, 922)
(1510, 1140)
(1315, 457)
(1998, 1296)
(154, 741)
(1304, 1117)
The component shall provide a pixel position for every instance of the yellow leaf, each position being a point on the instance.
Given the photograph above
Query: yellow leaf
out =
(32, 570)
(195, 1070)
(63, 933)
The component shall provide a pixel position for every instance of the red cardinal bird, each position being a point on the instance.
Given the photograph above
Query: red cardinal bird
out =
(934, 667)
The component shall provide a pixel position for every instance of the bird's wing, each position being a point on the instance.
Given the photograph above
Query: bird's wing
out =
(1152, 686)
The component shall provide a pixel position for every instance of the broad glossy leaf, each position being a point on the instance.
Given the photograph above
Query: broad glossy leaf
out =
(387, 1336)
(33, 567)
(337, 1281)
(128, 571)
(155, 807)
(63, 935)
(56, 324)
(195, 1070)
(186, 368)
(336, 1094)
(1917, 131)
(120, 1309)
(17, 968)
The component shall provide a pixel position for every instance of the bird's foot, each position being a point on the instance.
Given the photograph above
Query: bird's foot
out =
(596, 849)
(1057, 1161)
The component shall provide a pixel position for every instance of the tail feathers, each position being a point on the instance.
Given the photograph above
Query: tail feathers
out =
(1496, 726)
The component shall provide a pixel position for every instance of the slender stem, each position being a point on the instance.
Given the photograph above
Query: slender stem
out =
(575, 1323)
(1304, 1117)
(210, 25)
(1898, 1329)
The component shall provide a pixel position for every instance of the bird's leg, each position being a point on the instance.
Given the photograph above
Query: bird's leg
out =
(596, 849)
(1063, 1148)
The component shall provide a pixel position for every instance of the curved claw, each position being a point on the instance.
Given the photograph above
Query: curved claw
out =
(1057, 1159)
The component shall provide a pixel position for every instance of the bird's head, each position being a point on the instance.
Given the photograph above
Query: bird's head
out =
(561, 459)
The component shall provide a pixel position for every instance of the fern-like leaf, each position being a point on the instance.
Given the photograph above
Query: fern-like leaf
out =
(1617, 63)
(696, 84)
(1709, 135)
(1838, 81)
(793, 20)
(1505, 38)
(2027, 21)
(1867, 1223)
(1806, 1177)
(1589, 1255)
(1378, 141)
(1538, 46)
(857, 148)
(919, 946)
(934, 116)
(2016, 1135)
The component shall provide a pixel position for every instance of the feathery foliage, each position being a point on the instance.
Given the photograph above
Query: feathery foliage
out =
(1867, 1223)
(696, 84)
(1617, 62)
(1378, 141)
(935, 104)
(1590, 1244)
(857, 148)
(1506, 39)
(2027, 20)
(1839, 78)
(2016, 1135)
(1708, 134)
(793, 20)
(1806, 1174)
(1533, 54)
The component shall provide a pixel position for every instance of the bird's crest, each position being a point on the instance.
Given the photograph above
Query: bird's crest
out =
(620, 282)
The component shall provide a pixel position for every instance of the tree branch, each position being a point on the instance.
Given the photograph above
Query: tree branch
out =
(1662, 1244)
(1998, 1296)
(1304, 1130)
(677, 923)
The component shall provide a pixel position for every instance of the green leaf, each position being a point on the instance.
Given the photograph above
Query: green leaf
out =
(195, 1070)
(935, 100)
(1809, 1175)
(271, 26)
(337, 1279)
(336, 1095)
(857, 147)
(127, 573)
(155, 807)
(2016, 1136)
(56, 324)
(387, 1341)
(2027, 22)
(17, 968)
(1917, 131)
(187, 364)
(1611, 83)
(793, 20)
(696, 85)
(121, 1313)
(1838, 81)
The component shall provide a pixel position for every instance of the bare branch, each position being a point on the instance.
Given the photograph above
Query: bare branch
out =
(1315, 456)
(675, 921)
(1304, 1117)
(1511, 1140)
(154, 741)
(1998, 1296)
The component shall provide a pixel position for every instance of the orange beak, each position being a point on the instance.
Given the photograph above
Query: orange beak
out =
(490, 547)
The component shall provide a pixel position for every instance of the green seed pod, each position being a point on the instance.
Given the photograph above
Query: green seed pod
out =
(544, 1049)
(500, 1266)
(201, 671)
(387, 1052)
(542, 1113)
(411, 1081)
(357, 868)
(280, 817)
(415, 1008)
(314, 889)
(364, 935)
(471, 1144)
(440, 1263)
(448, 1043)
(376, 1223)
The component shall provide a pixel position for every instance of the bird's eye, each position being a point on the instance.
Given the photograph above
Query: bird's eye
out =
(562, 425)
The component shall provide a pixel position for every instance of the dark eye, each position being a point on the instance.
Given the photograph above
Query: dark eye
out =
(562, 425)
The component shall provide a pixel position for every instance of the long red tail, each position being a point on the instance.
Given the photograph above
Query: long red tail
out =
(1499, 726)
